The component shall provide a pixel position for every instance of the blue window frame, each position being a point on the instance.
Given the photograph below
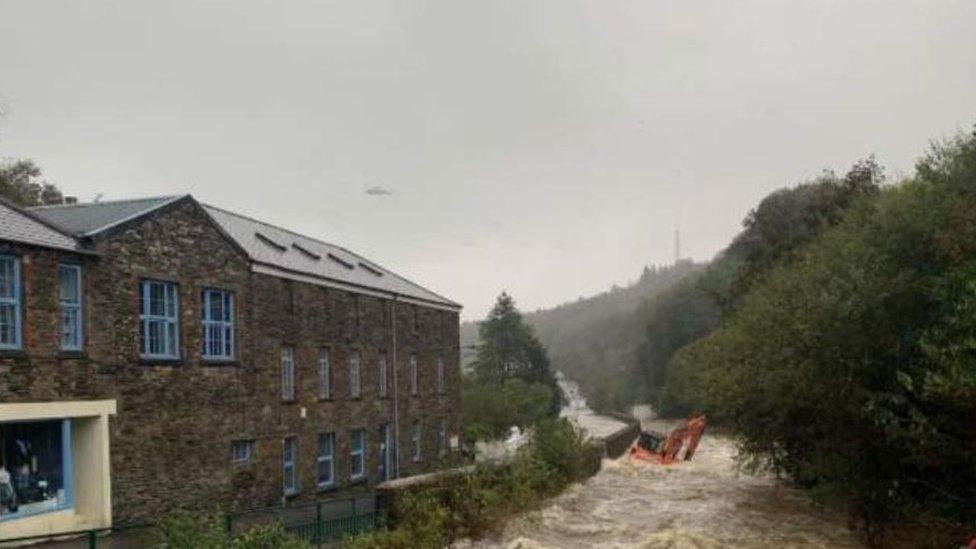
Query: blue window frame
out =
(159, 319)
(37, 473)
(218, 324)
(70, 296)
(289, 471)
(10, 323)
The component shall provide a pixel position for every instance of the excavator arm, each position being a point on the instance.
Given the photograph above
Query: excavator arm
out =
(687, 436)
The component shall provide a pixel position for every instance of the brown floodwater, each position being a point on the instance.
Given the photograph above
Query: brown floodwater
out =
(704, 503)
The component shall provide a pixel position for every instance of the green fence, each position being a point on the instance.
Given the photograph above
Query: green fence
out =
(317, 523)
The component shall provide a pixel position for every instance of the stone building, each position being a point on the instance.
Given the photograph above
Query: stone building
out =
(160, 353)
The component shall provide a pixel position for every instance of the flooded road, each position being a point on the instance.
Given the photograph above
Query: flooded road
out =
(704, 503)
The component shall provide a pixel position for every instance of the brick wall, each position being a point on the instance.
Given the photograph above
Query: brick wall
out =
(171, 438)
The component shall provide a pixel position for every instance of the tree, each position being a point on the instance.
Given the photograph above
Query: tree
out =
(509, 349)
(19, 184)
(850, 369)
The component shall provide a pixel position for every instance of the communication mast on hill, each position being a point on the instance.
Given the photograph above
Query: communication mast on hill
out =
(677, 245)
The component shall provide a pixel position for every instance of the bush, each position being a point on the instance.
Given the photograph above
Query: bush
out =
(491, 407)
(476, 504)
(185, 530)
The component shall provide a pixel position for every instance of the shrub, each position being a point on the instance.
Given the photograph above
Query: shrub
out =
(477, 503)
(184, 530)
(491, 407)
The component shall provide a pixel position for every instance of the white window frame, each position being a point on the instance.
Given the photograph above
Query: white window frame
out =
(416, 439)
(287, 373)
(324, 371)
(225, 326)
(289, 467)
(171, 297)
(414, 376)
(355, 361)
(71, 309)
(382, 367)
(357, 455)
(440, 375)
(323, 458)
(246, 456)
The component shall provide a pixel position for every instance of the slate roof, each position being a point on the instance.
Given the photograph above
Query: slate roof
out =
(272, 249)
(16, 225)
(94, 217)
(296, 253)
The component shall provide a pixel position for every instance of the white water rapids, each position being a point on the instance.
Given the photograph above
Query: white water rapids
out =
(704, 503)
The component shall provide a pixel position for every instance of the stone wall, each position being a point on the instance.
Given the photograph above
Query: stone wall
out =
(171, 438)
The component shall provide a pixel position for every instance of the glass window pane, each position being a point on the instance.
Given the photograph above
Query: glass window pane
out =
(7, 277)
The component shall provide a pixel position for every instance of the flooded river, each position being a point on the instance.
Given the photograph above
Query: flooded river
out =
(704, 503)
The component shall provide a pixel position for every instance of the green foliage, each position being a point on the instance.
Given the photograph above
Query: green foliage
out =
(476, 504)
(593, 340)
(19, 185)
(850, 368)
(184, 530)
(507, 348)
(491, 407)
(773, 234)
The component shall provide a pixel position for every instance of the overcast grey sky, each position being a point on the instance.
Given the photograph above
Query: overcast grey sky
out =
(546, 148)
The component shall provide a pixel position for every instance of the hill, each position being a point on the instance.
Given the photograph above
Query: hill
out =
(593, 340)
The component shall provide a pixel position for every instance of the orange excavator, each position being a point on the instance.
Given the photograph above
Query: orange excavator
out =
(656, 448)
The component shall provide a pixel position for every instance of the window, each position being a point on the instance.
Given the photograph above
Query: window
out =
(36, 457)
(416, 433)
(287, 373)
(442, 438)
(415, 319)
(357, 454)
(355, 387)
(69, 297)
(440, 374)
(218, 324)
(325, 374)
(414, 381)
(241, 451)
(160, 307)
(289, 472)
(381, 375)
(325, 462)
(9, 302)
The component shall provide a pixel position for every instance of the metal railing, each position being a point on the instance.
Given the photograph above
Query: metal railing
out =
(317, 523)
